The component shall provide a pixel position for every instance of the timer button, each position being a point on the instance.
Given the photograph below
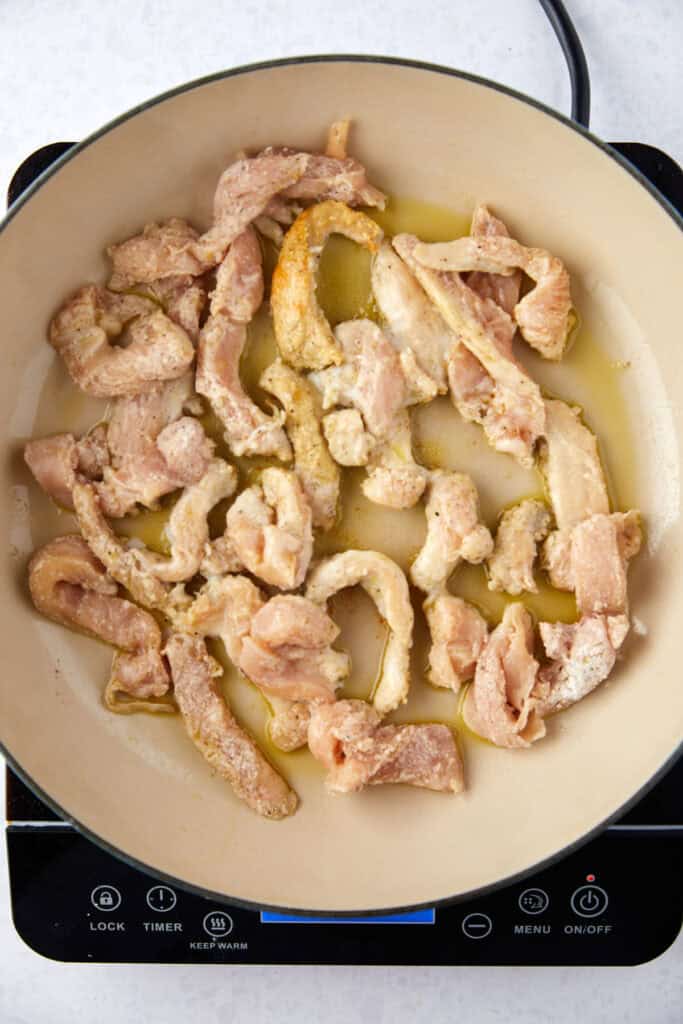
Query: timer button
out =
(589, 901)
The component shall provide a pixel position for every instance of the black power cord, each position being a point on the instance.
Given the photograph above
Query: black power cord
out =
(563, 28)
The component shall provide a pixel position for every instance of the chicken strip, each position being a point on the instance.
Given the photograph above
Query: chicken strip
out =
(454, 531)
(224, 608)
(500, 704)
(583, 654)
(313, 463)
(347, 439)
(370, 379)
(182, 298)
(271, 527)
(303, 334)
(394, 478)
(120, 561)
(413, 321)
(288, 651)
(187, 530)
(243, 192)
(55, 461)
(510, 406)
(337, 139)
(348, 739)
(384, 582)
(70, 586)
(288, 726)
(459, 634)
(571, 467)
(520, 531)
(544, 314)
(154, 449)
(161, 251)
(238, 294)
(214, 731)
(82, 331)
(502, 288)
(341, 179)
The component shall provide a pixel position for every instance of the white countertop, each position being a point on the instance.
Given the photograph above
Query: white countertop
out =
(68, 67)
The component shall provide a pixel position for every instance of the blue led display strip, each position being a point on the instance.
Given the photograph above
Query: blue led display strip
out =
(411, 917)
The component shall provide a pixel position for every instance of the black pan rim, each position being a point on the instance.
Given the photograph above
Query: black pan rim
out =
(69, 155)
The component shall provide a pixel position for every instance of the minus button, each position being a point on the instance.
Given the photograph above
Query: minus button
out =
(477, 926)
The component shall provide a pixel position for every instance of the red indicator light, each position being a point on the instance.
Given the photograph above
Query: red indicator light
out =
(590, 878)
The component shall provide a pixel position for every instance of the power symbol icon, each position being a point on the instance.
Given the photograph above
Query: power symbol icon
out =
(589, 901)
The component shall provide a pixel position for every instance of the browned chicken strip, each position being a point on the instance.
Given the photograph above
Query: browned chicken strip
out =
(313, 463)
(69, 585)
(500, 704)
(520, 530)
(216, 734)
(348, 739)
(303, 334)
(82, 332)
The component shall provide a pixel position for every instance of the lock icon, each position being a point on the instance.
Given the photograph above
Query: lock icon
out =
(105, 897)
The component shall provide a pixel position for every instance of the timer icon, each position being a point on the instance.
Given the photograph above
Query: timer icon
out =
(161, 899)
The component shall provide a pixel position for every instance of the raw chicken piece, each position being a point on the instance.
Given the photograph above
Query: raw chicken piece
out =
(182, 297)
(216, 734)
(592, 559)
(161, 251)
(248, 430)
(571, 467)
(270, 525)
(502, 288)
(312, 461)
(70, 586)
(53, 462)
(520, 530)
(288, 651)
(357, 750)
(394, 478)
(370, 379)
(332, 178)
(510, 407)
(414, 324)
(500, 704)
(121, 562)
(223, 608)
(387, 586)
(543, 315)
(238, 294)
(239, 280)
(583, 655)
(288, 726)
(243, 192)
(347, 439)
(82, 331)
(454, 532)
(220, 557)
(154, 448)
(459, 634)
(303, 334)
(187, 530)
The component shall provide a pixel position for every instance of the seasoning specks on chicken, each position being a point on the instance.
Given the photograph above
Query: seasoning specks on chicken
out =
(166, 338)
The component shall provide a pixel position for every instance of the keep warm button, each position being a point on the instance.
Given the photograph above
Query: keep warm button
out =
(589, 901)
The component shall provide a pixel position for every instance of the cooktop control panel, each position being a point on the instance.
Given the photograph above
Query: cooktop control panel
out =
(617, 900)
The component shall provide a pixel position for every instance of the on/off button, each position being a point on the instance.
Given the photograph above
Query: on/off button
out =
(589, 901)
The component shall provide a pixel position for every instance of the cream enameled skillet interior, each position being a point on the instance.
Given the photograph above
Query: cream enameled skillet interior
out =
(136, 783)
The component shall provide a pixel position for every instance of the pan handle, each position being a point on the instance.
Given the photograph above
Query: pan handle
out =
(568, 39)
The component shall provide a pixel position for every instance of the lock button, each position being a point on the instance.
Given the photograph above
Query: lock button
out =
(105, 898)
